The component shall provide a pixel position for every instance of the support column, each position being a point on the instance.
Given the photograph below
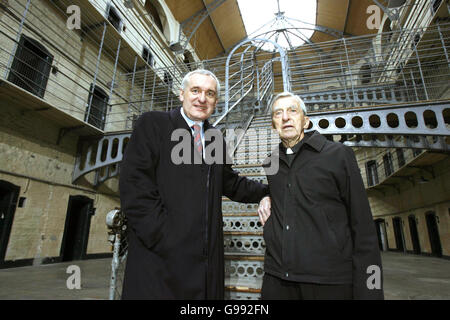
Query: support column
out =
(131, 89)
(349, 70)
(443, 44)
(421, 73)
(115, 69)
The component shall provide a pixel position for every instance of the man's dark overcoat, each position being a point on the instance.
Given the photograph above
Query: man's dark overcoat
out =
(174, 213)
(321, 228)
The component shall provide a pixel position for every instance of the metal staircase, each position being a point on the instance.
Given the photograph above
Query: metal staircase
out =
(361, 91)
(243, 233)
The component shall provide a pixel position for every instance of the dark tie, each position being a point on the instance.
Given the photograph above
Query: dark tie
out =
(197, 138)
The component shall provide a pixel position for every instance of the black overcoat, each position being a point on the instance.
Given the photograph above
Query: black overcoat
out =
(175, 228)
(321, 228)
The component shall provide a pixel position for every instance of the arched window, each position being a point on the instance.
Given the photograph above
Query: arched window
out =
(157, 14)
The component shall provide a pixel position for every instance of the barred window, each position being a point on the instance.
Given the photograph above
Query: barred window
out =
(114, 18)
(388, 164)
(96, 113)
(372, 173)
(31, 66)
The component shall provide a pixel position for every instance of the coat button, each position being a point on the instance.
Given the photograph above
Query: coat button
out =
(287, 274)
(288, 185)
(287, 227)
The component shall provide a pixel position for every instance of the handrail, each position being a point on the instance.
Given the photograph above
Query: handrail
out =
(283, 59)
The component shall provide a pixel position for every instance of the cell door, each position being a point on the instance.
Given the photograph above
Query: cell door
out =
(398, 233)
(433, 233)
(414, 234)
(381, 234)
(76, 231)
(9, 194)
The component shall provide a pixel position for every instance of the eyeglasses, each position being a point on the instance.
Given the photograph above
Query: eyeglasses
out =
(210, 94)
(292, 110)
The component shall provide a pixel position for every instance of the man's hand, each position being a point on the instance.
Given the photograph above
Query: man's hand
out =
(264, 209)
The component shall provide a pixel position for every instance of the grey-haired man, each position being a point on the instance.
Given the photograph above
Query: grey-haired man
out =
(320, 238)
(175, 232)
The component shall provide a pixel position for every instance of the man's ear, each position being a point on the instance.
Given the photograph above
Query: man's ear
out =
(306, 123)
(181, 97)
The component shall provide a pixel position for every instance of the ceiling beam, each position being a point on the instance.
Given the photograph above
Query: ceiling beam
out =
(214, 26)
(189, 26)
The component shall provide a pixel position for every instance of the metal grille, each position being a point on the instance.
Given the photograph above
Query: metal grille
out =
(244, 269)
(389, 68)
(244, 244)
(247, 224)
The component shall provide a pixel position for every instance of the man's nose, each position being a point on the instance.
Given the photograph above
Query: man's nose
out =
(202, 96)
(285, 116)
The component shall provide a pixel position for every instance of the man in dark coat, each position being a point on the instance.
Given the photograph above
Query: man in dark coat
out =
(320, 238)
(173, 206)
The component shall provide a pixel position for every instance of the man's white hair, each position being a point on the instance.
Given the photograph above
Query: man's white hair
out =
(185, 81)
(289, 94)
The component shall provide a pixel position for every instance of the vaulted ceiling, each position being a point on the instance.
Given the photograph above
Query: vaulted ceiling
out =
(224, 27)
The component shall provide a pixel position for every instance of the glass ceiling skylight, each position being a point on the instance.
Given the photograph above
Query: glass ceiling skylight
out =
(289, 23)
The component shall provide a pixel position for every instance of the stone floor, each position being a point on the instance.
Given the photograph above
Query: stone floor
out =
(405, 277)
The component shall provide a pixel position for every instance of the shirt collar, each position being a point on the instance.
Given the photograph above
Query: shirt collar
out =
(191, 122)
(294, 148)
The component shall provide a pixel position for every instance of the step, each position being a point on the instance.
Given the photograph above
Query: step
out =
(243, 289)
(266, 148)
(242, 223)
(244, 243)
(239, 166)
(261, 124)
(248, 146)
(253, 161)
(229, 206)
(244, 267)
(249, 170)
(238, 293)
(243, 277)
(252, 154)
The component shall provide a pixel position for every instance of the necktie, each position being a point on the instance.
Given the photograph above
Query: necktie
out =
(197, 138)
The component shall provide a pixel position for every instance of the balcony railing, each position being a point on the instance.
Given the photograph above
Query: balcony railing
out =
(73, 70)
(391, 68)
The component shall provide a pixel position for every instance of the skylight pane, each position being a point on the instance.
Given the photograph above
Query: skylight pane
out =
(289, 23)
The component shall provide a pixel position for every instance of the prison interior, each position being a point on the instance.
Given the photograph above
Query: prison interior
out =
(71, 90)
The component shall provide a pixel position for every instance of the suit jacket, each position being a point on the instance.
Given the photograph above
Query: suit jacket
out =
(174, 213)
(321, 228)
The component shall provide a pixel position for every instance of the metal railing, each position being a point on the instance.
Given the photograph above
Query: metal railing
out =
(396, 67)
(390, 68)
(382, 165)
(73, 69)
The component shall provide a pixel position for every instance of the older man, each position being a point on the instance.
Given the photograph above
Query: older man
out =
(174, 208)
(320, 238)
